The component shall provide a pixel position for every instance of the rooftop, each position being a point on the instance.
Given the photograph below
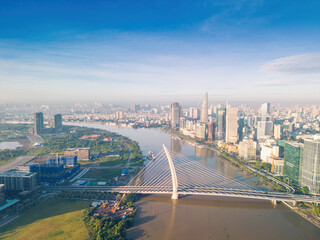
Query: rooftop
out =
(14, 173)
(72, 149)
(295, 144)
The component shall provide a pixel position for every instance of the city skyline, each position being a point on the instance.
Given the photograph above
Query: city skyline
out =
(237, 51)
(109, 109)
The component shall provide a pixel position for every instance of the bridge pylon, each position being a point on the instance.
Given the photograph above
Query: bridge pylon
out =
(173, 175)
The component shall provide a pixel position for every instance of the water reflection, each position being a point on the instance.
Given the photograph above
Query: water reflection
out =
(176, 145)
(169, 231)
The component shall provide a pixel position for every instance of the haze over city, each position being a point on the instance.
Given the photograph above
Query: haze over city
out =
(168, 119)
(159, 52)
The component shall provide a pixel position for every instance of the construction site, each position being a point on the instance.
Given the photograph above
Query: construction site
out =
(113, 210)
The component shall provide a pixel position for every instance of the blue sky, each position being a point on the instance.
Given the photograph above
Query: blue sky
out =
(159, 51)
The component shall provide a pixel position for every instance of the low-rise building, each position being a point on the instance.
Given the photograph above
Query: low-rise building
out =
(278, 164)
(82, 153)
(2, 194)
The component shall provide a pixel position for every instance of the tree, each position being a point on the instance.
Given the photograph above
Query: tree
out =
(118, 197)
(305, 190)
(316, 209)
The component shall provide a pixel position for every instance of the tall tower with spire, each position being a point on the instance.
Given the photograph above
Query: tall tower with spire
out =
(204, 109)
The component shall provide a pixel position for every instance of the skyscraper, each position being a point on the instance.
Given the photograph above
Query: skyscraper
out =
(221, 123)
(293, 152)
(175, 115)
(194, 113)
(211, 131)
(134, 107)
(204, 109)
(57, 122)
(264, 127)
(231, 125)
(310, 165)
(277, 131)
(265, 111)
(38, 123)
(240, 128)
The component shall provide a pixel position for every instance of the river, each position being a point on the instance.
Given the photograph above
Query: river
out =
(193, 218)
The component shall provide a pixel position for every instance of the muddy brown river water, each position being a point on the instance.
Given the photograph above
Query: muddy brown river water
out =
(197, 218)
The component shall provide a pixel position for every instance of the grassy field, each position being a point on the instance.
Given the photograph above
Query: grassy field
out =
(103, 174)
(54, 219)
(106, 161)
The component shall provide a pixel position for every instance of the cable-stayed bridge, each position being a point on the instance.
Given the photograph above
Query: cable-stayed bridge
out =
(177, 175)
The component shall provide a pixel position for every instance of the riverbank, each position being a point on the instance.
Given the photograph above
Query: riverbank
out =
(234, 162)
(303, 212)
(306, 214)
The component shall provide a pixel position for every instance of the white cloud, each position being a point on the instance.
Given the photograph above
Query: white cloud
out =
(298, 64)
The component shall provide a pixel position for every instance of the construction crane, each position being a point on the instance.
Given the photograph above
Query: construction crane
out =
(115, 208)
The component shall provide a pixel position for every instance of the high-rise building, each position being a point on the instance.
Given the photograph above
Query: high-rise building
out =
(265, 111)
(293, 152)
(211, 131)
(248, 149)
(264, 129)
(204, 109)
(201, 131)
(18, 181)
(240, 128)
(57, 122)
(277, 131)
(194, 113)
(119, 115)
(175, 115)
(182, 122)
(231, 125)
(269, 150)
(310, 165)
(265, 126)
(134, 107)
(38, 123)
(220, 123)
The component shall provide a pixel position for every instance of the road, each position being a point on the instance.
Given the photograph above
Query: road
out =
(34, 139)
(290, 189)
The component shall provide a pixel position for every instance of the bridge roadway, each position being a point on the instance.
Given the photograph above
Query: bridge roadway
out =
(203, 191)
